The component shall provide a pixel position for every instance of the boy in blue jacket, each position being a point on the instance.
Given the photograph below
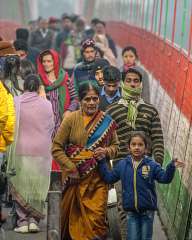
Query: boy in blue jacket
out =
(138, 174)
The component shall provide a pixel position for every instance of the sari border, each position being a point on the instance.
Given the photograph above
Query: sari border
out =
(99, 119)
(24, 204)
(95, 121)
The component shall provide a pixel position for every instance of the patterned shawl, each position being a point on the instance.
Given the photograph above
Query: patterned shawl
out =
(60, 83)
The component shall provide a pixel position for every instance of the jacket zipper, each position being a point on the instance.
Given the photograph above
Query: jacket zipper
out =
(135, 183)
(135, 188)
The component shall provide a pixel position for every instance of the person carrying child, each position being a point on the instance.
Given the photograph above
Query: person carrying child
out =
(138, 174)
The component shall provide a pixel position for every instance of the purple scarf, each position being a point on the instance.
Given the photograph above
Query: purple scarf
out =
(35, 125)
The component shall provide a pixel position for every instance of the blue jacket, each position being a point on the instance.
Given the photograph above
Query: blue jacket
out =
(138, 184)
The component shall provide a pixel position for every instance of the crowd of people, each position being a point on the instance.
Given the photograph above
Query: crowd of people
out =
(65, 105)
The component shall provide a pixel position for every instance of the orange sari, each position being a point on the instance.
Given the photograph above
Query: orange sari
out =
(83, 207)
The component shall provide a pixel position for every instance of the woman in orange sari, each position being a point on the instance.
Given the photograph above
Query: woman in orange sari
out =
(84, 137)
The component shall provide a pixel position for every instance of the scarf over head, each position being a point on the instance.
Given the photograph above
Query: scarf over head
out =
(131, 98)
(60, 82)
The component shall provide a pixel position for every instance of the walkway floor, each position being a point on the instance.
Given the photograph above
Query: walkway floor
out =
(11, 235)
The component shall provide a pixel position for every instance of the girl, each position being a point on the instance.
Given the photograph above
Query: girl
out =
(138, 174)
(130, 59)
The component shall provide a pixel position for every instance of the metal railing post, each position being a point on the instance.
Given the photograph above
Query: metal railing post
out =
(53, 213)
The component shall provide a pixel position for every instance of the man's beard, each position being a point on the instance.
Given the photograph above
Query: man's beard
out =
(89, 60)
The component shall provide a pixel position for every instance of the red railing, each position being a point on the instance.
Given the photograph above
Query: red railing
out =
(7, 29)
(168, 64)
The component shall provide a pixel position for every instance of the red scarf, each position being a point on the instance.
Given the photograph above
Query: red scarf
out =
(58, 71)
(127, 66)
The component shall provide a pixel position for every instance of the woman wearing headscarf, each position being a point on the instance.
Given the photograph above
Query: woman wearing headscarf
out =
(58, 88)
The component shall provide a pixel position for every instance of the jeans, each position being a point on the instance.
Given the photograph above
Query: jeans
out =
(140, 225)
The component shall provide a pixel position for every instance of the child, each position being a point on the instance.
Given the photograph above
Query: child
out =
(129, 55)
(130, 59)
(138, 174)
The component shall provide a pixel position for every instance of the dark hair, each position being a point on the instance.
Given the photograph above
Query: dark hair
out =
(65, 16)
(130, 48)
(22, 33)
(26, 68)
(12, 64)
(140, 134)
(85, 87)
(44, 53)
(20, 44)
(99, 64)
(31, 83)
(135, 70)
(74, 17)
(111, 74)
(9, 69)
(98, 50)
(95, 20)
(101, 22)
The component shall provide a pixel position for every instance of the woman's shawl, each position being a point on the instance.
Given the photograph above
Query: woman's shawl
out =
(30, 156)
(99, 129)
(84, 204)
(60, 83)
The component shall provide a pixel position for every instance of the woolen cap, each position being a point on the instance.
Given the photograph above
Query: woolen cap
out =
(100, 64)
(87, 43)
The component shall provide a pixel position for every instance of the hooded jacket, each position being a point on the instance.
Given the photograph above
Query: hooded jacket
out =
(7, 118)
(138, 183)
(3, 107)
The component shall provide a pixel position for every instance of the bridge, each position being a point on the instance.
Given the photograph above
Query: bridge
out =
(161, 31)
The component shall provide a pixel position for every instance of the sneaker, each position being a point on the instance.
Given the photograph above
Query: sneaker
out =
(22, 229)
(33, 228)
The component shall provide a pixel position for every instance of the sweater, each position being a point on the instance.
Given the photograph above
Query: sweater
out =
(103, 103)
(147, 121)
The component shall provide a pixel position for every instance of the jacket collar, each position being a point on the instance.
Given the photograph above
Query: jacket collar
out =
(145, 160)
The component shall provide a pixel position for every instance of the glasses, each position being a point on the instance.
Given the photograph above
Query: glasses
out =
(88, 99)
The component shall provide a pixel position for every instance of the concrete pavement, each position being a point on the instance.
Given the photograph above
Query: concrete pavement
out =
(11, 235)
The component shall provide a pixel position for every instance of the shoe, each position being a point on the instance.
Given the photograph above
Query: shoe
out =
(33, 228)
(22, 229)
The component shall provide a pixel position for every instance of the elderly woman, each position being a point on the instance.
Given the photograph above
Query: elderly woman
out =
(84, 137)
(30, 156)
